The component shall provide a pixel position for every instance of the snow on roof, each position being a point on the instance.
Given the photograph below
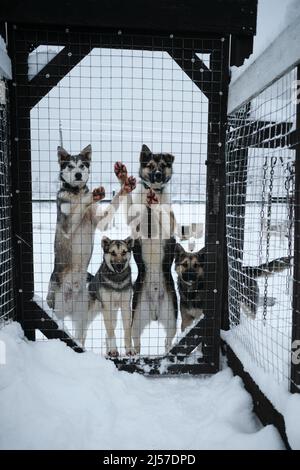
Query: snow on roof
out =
(273, 16)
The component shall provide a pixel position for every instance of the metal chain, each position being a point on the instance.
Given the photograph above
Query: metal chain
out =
(289, 186)
(262, 211)
(265, 305)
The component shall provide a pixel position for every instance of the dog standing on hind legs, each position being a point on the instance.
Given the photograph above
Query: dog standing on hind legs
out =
(152, 225)
(78, 215)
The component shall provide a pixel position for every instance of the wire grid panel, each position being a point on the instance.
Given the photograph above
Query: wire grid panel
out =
(260, 226)
(116, 98)
(6, 275)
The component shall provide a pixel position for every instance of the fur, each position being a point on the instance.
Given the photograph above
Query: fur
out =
(250, 290)
(78, 215)
(153, 226)
(190, 269)
(111, 289)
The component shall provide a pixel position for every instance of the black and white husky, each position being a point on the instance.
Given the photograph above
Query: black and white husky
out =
(152, 225)
(111, 289)
(78, 215)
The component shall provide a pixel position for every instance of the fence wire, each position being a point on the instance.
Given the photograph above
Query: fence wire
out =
(6, 255)
(117, 98)
(260, 201)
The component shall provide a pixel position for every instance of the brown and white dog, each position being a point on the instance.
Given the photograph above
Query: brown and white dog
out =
(111, 289)
(78, 215)
(152, 225)
(190, 269)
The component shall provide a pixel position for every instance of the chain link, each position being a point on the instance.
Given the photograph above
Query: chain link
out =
(289, 186)
(262, 211)
(269, 213)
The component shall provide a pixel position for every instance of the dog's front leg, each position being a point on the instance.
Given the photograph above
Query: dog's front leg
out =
(128, 184)
(110, 322)
(126, 319)
(102, 219)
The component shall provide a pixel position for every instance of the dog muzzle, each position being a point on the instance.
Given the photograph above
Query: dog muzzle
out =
(119, 267)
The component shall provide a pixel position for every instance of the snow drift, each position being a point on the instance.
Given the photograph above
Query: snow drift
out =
(54, 398)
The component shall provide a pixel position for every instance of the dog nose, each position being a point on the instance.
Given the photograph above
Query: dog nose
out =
(78, 176)
(158, 176)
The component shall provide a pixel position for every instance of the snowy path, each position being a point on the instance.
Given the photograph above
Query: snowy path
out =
(51, 397)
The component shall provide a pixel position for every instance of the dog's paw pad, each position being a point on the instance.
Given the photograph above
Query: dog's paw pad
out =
(120, 171)
(130, 352)
(113, 353)
(98, 193)
(129, 185)
(152, 198)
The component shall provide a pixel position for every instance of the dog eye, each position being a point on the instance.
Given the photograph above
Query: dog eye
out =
(124, 252)
(81, 166)
(185, 264)
(113, 253)
(70, 167)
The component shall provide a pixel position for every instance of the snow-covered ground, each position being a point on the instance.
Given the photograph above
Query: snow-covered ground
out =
(54, 398)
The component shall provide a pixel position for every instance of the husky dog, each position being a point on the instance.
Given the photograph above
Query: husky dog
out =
(111, 289)
(152, 224)
(78, 215)
(250, 290)
(190, 269)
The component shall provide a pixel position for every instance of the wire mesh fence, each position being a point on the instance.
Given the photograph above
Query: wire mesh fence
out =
(156, 104)
(6, 256)
(261, 219)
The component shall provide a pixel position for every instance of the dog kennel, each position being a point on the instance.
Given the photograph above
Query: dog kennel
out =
(117, 78)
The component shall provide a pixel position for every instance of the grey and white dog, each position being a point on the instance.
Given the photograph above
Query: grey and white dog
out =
(111, 289)
(152, 225)
(78, 215)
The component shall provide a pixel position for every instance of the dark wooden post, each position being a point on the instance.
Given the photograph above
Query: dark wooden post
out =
(216, 284)
(21, 186)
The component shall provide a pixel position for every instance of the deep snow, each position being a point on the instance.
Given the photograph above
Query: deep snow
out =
(54, 398)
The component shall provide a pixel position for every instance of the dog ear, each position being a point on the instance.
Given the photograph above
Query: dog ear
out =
(86, 153)
(105, 242)
(145, 154)
(179, 251)
(129, 242)
(169, 158)
(62, 154)
(201, 255)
